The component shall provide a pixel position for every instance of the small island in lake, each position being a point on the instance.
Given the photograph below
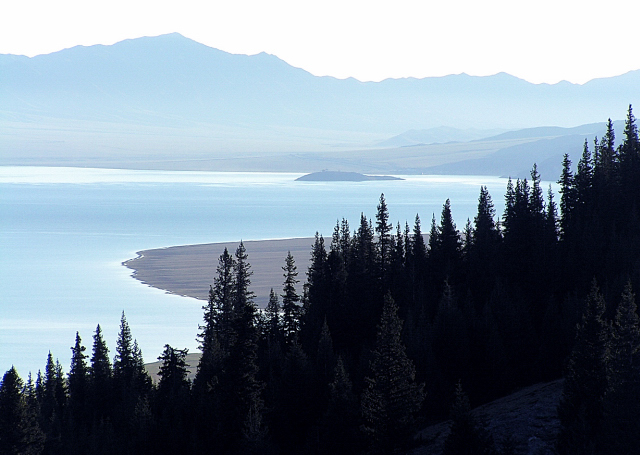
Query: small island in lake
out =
(339, 176)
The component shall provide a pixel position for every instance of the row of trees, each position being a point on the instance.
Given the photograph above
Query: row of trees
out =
(386, 317)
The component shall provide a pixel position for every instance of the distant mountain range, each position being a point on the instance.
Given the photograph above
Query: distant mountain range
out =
(168, 97)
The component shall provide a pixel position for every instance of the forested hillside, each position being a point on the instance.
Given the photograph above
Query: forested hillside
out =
(387, 331)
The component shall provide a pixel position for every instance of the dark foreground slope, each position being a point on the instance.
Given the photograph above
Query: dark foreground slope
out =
(529, 416)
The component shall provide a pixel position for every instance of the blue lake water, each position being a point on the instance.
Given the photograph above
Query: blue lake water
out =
(64, 233)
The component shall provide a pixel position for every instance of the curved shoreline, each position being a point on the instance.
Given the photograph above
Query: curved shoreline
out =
(188, 270)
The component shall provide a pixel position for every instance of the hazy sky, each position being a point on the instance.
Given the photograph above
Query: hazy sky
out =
(540, 41)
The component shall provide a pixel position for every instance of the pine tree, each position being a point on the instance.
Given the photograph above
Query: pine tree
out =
(290, 298)
(215, 334)
(391, 396)
(123, 366)
(318, 292)
(171, 409)
(568, 196)
(78, 381)
(339, 426)
(243, 296)
(467, 436)
(78, 415)
(231, 405)
(581, 405)
(509, 208)
(293, 413)
(536, 200)
(101, 376)
(325, 358)
(485, 232)
(52, 405)
(399, 279)
(449, 237)
(621, 428)
(383, 229)
(274, 331)
(584, 177)
(173, 372)
(19, 430)
(629, 154)
(483, 250)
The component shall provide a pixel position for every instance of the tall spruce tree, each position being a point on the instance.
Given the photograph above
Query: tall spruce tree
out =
(568, 196)
(171, 410)
(586, 381)
(621, 427)
(123, 364)
(20, 433)
(242, 402)
(383, 229)
(317, 291)
(215, 335)
(290, 301)
(339, 433)
(391, 396)
(467, 435)
(78, 418)
(101, 378)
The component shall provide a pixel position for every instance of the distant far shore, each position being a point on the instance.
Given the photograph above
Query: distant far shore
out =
(189, 270)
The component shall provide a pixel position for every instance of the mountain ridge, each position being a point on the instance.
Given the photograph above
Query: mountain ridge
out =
(154, 74)
(170, 99)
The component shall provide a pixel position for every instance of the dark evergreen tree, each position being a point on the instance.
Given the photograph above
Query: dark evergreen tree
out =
(19, 430)
(243, 295)
(364, 302)
(131, 386)
(78, 416)
(339, 432)
(294, 413)
(101, 377)
(216, 334)
(584, 178)
(291, 310)
(451, 338)
(242, 403)
(318, 295)
(383, 229)
(391, 396)
(418, 247)
(78, 381)
(568, 199)
(445, 251)
(52, 405)
(325, 358)
(416, 260)
(581, 405)
(483, 250)
(629, 154)
(467, 436)
(621, 428)
(171, 411)
(274, 332)
(123, 364)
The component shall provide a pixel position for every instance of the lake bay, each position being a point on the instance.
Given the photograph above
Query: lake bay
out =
(64, 233)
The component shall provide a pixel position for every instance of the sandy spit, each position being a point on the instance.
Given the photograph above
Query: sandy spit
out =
(189, 270)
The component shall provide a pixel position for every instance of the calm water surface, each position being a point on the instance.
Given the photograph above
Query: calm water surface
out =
(64, 233)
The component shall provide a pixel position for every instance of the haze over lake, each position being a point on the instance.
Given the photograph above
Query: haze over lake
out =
(65, 232)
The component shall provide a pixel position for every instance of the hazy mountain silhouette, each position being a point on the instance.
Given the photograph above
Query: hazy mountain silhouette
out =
(171, 79)
(154, 96)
